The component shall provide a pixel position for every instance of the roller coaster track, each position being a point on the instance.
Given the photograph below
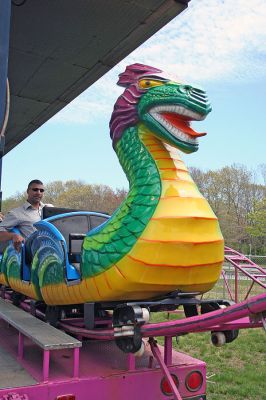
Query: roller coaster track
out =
(247, 268)
(250, 313)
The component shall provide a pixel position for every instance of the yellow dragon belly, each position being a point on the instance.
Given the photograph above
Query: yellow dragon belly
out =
(181, 248)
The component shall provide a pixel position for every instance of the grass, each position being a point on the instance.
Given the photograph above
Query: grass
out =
(220, 291)
(236, 371)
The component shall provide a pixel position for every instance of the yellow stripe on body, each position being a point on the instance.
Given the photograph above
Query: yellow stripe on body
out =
(183, 207)
(175, 174)
(178, 254)
(147, 274)
(146, 281)
(116, 283)
(164, 163)
(179, 188)
(184, 229)
(28, 289)
(131, 285)
(85, 290)
(3, 280)
(167, 159)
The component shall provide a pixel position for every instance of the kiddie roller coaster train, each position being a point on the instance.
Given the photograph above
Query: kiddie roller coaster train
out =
(100, 277)
(163, 238)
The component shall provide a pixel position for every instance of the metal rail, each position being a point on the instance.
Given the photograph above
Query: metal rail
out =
(245, 266)
(250, 313)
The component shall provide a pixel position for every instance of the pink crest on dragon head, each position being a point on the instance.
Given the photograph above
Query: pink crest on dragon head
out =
(125, 109)
(134, 72)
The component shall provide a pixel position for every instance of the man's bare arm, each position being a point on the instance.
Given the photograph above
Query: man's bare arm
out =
(16, 239)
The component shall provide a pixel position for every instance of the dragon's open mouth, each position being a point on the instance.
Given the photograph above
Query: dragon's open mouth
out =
(176, 119)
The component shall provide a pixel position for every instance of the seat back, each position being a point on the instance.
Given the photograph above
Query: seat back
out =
(49, 211)
(73, 224)
(97, 220)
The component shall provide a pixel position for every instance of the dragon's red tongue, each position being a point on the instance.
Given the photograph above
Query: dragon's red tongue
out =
(181, 124)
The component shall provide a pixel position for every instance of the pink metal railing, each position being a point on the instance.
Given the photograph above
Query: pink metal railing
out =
(244, 267)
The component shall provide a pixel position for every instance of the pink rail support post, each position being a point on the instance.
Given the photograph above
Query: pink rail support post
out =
(20, 345)
(76, 362)
(156, 352)
(168, 347)
(46, 365)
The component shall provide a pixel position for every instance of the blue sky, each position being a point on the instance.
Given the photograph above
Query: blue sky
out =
(219, 44)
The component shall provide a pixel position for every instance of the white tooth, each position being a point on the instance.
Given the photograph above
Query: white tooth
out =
(177, 109)
(156, 114)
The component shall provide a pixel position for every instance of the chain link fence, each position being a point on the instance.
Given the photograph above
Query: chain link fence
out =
(228, 289)
(259, 260)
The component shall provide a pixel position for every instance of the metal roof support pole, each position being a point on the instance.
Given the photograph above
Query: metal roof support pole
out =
(5, 11)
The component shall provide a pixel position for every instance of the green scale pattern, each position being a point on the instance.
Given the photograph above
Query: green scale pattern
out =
(105, 247)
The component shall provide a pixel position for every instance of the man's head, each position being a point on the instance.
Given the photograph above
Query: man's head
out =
(35, 192)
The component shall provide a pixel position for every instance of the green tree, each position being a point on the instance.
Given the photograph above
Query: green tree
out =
(75, 194)
(257, 226)
(13, 201)
(231, 192)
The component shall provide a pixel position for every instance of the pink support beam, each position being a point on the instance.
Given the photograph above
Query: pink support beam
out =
(236, 285)
(20, 345)
(156, 352)
(131, 362)
(46, 365)
(76, 363)
(227, 286)
(249, 290)
(168, 350)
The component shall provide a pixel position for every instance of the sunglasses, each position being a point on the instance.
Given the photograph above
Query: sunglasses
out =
(37, 190)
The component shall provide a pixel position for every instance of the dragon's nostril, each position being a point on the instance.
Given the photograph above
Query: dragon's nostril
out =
(184, 88)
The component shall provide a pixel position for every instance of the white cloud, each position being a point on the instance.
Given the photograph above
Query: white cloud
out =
(81, 110)
(99, 99)
(217, 40)
(212, 40)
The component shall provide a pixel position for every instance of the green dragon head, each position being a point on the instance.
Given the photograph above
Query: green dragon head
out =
(166, 107)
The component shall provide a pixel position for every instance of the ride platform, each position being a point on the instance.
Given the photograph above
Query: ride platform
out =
(99, 367)
(104, 371)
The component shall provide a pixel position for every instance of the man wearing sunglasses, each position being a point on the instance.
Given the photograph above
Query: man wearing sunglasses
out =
(23, 217)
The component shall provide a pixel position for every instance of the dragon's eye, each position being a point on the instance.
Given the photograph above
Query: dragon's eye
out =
(148, 83)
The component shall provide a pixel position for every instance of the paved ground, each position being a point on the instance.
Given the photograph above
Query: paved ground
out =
(11, 373)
